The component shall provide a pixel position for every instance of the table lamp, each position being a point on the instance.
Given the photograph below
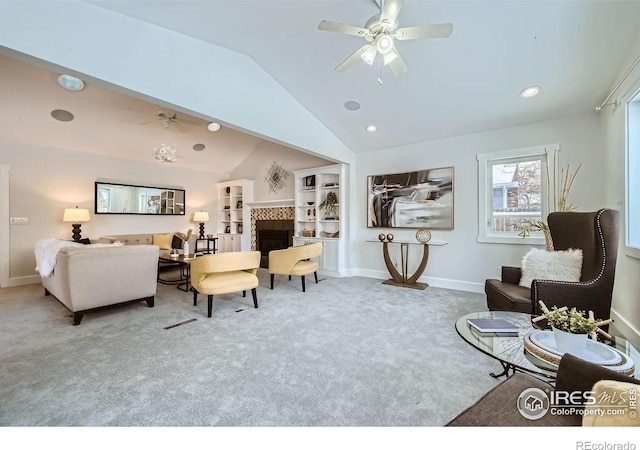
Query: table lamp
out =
(202, 217)
(75, 216)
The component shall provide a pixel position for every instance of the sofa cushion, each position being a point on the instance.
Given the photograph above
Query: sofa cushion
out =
(226, 282)
(538, 264)
(163, 241)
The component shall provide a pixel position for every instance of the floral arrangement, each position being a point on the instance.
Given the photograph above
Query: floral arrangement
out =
(571, 321)
(184, 237)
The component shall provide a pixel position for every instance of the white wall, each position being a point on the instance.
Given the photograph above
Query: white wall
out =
(626, 294)
(464, 263)
(259, 161)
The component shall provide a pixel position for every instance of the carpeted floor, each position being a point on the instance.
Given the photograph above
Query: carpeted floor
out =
(350, 352)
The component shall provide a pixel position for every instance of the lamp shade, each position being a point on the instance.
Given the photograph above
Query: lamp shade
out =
(200, 216)
(76, 215)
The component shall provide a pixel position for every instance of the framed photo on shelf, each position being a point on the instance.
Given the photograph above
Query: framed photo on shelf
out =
(310, 182)
(420, 199)
(227, 229)
(239, 228)
(239, 204)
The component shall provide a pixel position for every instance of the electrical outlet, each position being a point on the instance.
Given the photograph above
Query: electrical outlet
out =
(19, 221)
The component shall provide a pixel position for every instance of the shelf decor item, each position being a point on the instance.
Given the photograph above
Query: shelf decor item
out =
(382, 237)
(330, 205)
(389, 237)
(423, 235)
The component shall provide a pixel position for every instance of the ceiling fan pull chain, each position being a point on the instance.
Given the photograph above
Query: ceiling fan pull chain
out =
(379, 72)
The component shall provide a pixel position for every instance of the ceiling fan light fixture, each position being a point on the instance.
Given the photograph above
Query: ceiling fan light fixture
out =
(384, 43)
(369, 55)
(529, 92)
(390, 56)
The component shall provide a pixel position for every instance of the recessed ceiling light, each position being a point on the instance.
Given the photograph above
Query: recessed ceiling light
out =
(352, 105)
(213, 126)
(62, 115)
(530, 92)
(71, 83)
(198, 147)
(371, 128)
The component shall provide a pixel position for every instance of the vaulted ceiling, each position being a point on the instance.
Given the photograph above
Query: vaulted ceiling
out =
(466, 83)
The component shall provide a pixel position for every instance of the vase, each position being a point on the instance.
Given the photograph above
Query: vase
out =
(185, 248)
(574, 343)
(548, 240)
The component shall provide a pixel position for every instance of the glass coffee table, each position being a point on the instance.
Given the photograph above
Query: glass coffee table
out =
(510, 351)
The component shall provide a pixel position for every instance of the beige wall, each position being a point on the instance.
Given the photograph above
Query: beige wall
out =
(46, 180)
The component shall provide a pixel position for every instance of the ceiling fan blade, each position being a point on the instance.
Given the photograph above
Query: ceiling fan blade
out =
(441, 30)
(355, 56)
(335, 27)
(390, 11)
(398, 67)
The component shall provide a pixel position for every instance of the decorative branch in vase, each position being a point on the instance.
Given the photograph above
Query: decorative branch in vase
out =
(330, 205)
(561, 203)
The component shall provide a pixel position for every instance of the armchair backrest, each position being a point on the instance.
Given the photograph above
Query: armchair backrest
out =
(596, 233)
(224, 262)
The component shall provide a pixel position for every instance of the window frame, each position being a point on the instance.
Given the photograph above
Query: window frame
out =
(632, 173)
(485, 190)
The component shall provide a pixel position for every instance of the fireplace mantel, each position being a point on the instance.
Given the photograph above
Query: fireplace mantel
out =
(280, 203)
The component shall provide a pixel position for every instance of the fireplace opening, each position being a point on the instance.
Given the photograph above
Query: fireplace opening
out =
(272, 235)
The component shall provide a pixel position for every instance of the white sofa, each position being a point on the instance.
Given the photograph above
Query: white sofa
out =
(89, 278)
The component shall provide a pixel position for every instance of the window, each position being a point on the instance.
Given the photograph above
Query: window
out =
(512, 187)
(633, 176)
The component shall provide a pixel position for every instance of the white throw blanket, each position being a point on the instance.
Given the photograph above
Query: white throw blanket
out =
(47, 251)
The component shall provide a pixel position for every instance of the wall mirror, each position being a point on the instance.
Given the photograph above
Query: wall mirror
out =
(113, 198)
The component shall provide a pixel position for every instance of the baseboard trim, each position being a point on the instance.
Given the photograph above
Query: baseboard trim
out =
(444, 283)
(631, 333)
(23, 281)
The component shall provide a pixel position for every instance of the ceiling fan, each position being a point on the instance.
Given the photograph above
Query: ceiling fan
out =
(380, 32)
(171, 119)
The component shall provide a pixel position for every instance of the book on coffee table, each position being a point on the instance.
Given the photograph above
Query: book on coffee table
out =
(496, 326)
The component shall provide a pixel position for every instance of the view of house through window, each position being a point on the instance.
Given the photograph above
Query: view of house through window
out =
(514, 188)
(516, 193)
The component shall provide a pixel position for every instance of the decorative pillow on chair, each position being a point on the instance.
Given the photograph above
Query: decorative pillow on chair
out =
(563, 265)
(163, 240)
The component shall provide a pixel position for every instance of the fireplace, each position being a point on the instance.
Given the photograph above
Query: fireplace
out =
(272, 235)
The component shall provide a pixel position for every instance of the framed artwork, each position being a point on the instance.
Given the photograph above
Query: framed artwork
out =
(239, 228)
(420, 199)
(239, 204)
(227, 229)
(310, 182)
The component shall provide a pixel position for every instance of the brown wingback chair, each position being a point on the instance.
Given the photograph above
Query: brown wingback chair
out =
(596, 233)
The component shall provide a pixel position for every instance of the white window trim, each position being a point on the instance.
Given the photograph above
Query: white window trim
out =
(484, 206)
(630, 250)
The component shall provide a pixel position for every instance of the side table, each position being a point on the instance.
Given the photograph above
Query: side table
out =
(212, 245)
(404, 279)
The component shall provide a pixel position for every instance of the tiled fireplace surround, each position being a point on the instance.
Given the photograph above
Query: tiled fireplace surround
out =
(272, 213)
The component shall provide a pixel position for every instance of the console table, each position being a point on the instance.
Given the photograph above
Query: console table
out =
(403, 279)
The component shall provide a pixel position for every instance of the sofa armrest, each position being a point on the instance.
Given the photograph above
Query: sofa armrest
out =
(578, 375)
(511, 275)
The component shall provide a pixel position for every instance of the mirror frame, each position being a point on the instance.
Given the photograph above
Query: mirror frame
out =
(100, 184)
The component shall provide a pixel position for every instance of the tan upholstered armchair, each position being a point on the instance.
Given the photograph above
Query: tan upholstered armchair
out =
(224, 273)
(295, 261)
(596, 233)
